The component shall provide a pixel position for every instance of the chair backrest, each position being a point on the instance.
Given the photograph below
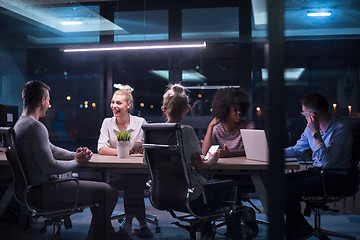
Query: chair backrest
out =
(354, 180)
(164, 156)
(354, 124)
(355, 127)
(10, 148)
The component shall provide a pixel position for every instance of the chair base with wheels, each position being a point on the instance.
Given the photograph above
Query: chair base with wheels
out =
(237, 227)
(56, 221)
(150, 218)
(318, 204)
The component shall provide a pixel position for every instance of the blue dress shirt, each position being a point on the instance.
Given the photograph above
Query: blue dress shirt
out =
(335, 152)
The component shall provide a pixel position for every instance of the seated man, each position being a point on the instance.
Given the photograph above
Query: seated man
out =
(330, 141)
(41, 160)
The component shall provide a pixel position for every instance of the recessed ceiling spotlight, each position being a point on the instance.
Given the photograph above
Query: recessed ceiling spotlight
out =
(319, 13)
(69, 23)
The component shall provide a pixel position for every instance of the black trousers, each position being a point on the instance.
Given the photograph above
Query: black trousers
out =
(90, 192)
(133, 186)
(307, 183)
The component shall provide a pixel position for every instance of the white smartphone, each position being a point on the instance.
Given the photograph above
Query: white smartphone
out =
(212, 150)
(137, 144)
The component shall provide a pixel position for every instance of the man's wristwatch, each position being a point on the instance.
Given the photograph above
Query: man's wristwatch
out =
(317, 135)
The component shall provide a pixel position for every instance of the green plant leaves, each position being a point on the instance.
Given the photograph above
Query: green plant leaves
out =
(123, 135)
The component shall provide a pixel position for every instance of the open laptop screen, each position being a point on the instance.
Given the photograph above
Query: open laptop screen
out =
(8, 115)
(255, 144)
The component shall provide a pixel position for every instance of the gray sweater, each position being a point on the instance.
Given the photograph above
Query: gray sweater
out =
(40, 158)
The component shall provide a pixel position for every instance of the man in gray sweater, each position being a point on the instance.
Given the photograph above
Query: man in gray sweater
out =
(42, 161)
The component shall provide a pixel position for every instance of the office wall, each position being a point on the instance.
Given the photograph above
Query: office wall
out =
(12, 68)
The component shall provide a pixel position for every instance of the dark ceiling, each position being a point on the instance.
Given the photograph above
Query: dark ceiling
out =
(216, 21)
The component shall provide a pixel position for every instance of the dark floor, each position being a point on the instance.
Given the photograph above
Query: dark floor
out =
(347, 224)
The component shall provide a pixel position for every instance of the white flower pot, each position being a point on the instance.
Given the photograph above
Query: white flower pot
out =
(123, 149)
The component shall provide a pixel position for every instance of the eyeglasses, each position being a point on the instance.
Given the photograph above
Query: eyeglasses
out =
(306, 113)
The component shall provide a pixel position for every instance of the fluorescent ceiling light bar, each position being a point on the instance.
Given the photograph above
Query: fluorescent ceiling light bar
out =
(259, 12)
(119, 47)
(210, 87)
(69, 23)
(187, 75)
(290, 74)
(120, 86)
(321, 13)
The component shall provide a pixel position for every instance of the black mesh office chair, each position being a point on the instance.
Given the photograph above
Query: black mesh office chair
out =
(23, 191)
(319, 203)
(170, 185)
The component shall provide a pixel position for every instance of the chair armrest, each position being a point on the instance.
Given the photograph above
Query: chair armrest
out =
(76, 195)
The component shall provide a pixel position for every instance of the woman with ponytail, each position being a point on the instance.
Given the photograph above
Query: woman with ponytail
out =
(175, 107)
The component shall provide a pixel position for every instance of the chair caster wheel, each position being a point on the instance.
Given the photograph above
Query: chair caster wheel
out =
(157, 229)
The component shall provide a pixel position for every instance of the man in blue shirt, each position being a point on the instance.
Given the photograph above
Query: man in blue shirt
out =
(330, 141)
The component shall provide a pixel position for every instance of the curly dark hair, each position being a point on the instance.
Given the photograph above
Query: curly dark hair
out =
(225, 98)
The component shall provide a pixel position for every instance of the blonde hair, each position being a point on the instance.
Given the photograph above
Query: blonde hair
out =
(126, 91)
(175, 100)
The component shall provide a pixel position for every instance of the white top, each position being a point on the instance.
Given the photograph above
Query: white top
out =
(107, 136)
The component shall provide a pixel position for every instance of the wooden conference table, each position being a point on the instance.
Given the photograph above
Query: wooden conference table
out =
(136, 162)
(134, 165)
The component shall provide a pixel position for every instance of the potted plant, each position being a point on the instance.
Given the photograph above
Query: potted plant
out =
(123, 143)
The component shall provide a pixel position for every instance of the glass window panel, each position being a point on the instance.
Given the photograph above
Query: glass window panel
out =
(211, 24)
(316, 18)
(137, 70)
(141, 25)
(74, 96)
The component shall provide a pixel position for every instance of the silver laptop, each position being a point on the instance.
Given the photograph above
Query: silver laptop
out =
(255, 144)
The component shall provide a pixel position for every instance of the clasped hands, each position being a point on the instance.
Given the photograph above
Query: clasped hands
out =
(83, 155)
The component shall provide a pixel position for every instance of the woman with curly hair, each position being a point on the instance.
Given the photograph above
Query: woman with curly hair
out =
(229, 106)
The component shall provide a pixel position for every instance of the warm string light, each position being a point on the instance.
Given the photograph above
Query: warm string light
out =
(349, 107)
(258, 111)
